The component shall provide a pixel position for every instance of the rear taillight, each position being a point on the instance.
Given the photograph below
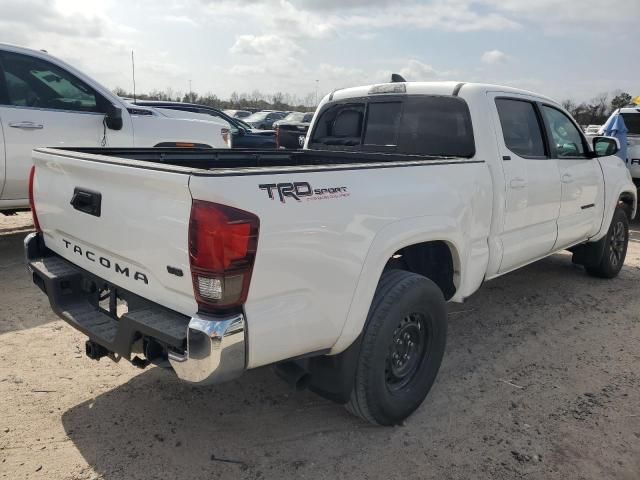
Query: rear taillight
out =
(278, 137)
(32, 202)
(222, 250)
(226, 136)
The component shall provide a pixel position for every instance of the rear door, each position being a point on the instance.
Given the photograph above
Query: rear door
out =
(582, 183)
(138, 237)
(532, 196)
(45, 106)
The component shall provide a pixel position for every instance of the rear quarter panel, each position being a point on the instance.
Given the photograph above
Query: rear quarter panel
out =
(320, 258)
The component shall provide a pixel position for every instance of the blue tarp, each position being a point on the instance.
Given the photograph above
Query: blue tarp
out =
(615, 127)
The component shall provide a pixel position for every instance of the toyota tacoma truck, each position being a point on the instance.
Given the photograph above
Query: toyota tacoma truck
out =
(332, 263)
(46, 102)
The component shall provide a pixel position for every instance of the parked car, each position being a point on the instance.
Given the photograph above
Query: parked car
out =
(238, 113)
(334, 263)
(264, 119)
(45, 102)
(592, 129)
(291, 131)
(243, 136)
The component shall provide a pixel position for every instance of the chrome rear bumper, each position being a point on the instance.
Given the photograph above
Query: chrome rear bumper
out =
(215, 350)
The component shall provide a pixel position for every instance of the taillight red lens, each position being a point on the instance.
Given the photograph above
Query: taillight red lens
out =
(222, 248)
(32, 202)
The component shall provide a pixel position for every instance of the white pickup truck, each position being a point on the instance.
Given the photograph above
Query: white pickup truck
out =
(45, 102)
(335, 262)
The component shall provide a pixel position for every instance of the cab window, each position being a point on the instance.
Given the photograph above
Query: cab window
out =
(413, 125)
(31, 82)
(520, 127)
(565, 136)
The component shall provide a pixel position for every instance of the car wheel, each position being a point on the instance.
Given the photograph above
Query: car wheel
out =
(615, 247)
(402, 348)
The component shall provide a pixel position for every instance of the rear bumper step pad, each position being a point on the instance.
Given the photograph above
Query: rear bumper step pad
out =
(66, 286)
(203, 349)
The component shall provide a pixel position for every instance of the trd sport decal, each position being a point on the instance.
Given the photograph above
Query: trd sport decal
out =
(302, 190)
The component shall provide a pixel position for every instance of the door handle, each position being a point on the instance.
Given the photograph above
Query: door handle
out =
(566, 178)
(517, 183)
(27, 125)
(87, 201)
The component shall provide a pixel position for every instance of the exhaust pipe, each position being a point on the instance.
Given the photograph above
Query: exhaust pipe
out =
(293, 374)
(95, 351)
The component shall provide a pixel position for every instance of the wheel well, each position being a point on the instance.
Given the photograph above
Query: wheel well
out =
(626, 199)
(433, 259)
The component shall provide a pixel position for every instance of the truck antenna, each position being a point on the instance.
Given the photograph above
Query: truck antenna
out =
(133, 71)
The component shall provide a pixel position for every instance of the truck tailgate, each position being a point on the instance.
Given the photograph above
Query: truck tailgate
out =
(138, 237)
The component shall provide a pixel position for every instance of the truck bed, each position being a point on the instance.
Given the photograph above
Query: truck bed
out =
(225, 159)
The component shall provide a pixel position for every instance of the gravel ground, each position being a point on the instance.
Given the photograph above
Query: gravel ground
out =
(541, 380)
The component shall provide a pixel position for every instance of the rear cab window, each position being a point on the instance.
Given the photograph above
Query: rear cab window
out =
(427, 125)
(632, 122)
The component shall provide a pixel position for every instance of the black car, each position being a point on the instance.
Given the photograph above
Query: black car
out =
(265, 118)
(292, 130)
(243, 135)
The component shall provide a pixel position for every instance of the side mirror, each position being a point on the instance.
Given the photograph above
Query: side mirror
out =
(605, 146)
(113, 117)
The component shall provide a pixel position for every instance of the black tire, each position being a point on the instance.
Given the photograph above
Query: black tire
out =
(407, 320)
(614, 248)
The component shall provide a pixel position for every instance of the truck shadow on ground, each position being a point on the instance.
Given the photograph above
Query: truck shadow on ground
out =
(22, 304)
(156, 427)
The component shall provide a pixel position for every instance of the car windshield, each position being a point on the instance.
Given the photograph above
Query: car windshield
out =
(632, 122)
(257, 117)
(308, 117)
(294, 117)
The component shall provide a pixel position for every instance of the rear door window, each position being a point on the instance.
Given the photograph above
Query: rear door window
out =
(520, 127)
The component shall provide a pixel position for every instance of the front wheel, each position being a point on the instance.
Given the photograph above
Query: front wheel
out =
(402, 348)
(615, 247)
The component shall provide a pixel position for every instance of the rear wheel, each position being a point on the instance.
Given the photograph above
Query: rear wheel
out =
(402, 348)
(615, 247)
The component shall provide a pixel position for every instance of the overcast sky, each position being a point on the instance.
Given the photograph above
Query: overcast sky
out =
(565, 49)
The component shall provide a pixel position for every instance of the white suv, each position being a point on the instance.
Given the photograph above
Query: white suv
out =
(45, 102)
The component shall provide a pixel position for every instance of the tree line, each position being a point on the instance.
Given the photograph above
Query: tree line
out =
(237, 101)
(594, 112)
(597, 110)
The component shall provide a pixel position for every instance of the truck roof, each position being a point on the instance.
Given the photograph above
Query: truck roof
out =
(433, 88)
(631, 109)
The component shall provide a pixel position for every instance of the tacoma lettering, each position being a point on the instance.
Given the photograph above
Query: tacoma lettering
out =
(105, 262)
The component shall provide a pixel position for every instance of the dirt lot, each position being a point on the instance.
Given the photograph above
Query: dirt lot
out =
(541, 380)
